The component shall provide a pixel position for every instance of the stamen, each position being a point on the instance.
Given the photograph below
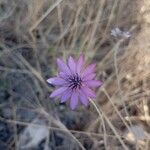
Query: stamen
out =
(75, 81)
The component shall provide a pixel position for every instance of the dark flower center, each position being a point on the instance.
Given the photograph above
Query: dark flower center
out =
(75, 81)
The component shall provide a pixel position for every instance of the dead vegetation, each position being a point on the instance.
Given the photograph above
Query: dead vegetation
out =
(33, 33)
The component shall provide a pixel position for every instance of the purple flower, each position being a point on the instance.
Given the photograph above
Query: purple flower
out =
(117, 33)
(75, 82)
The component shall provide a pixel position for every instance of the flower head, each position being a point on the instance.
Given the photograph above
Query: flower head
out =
(74, 82)
(117, 33)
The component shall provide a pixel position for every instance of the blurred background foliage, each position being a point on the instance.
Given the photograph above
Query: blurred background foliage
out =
(33, 33)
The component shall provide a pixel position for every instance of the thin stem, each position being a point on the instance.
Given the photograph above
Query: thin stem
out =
(104, 129)
(100, 113)
(119, 114)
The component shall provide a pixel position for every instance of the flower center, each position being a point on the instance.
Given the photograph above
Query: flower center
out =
(75, 81)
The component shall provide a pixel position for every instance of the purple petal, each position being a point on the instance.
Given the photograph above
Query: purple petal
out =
(80, 64)
(56, 81)
(83, 99)
(66, 95)
(72, 64)
(90, 69)
(74, 100)
(88, 92)
(93, 83)
(89, 77)
(63, 75)
(58, 91)
(62, 66)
